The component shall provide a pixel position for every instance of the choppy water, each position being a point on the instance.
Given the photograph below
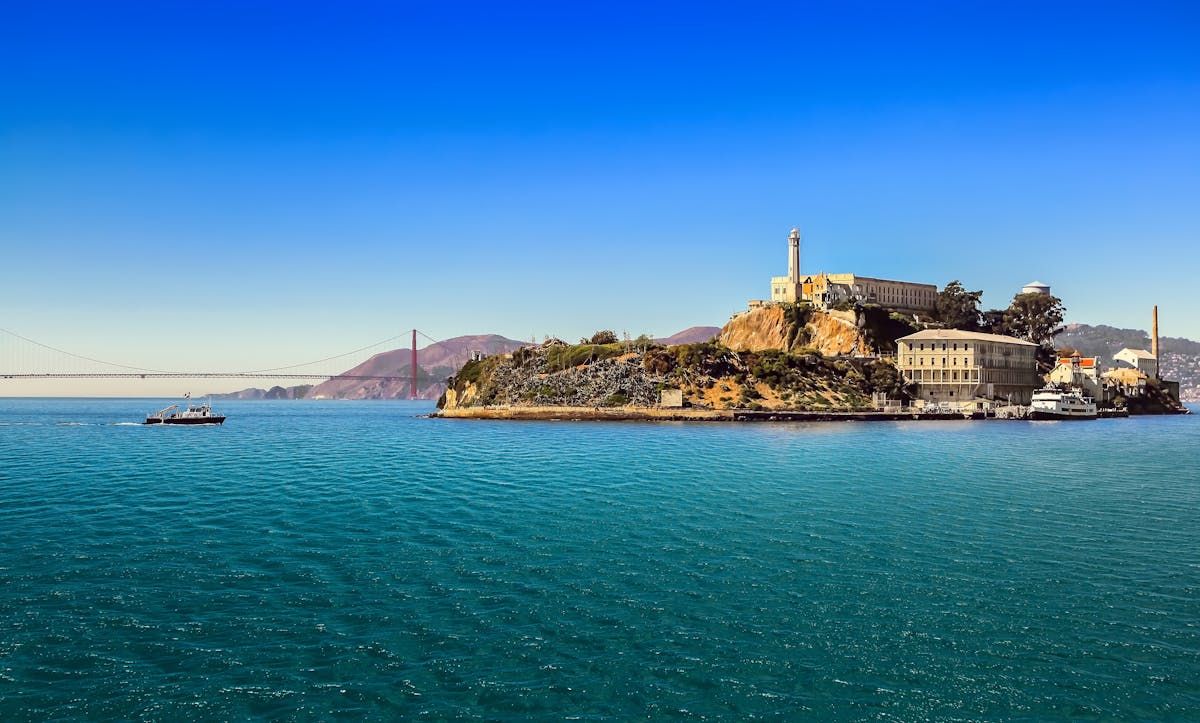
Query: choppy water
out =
(310, 561)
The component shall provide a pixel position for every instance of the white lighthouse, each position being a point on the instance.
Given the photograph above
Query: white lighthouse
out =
(794, 256)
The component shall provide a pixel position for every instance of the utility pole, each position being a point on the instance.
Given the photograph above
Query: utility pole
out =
(413, 390)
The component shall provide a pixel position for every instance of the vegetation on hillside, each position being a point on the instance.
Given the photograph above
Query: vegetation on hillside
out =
(883, 327)
(709, 374)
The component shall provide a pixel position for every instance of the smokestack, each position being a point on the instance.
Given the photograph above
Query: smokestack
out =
(1154, 340)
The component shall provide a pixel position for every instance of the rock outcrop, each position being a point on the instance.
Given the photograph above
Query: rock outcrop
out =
(790, 328)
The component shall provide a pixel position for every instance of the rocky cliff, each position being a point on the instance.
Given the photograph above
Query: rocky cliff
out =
(790, 328)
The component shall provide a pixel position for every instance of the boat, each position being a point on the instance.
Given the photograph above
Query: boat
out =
(200, 413)
(1055, 402)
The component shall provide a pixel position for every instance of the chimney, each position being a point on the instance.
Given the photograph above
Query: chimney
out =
(1154, 340)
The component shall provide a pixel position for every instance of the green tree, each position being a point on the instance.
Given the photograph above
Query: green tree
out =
(958, 308)
(1036, 317)
(601, 337)
(992, 322)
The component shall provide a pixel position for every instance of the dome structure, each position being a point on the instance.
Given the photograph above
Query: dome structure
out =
(1036, 287)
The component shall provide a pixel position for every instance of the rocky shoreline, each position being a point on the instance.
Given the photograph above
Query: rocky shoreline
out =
(659, 414)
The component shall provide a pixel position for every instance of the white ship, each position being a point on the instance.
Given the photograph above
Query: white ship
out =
(194, 414)
(1054, 402)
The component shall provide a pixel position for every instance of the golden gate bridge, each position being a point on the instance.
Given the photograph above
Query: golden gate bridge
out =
(25, 358)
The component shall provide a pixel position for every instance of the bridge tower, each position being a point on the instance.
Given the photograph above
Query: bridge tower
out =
(413, 389)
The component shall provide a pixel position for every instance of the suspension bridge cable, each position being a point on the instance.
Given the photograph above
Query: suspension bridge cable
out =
(331, 358)
(430, 338)
(80, 356)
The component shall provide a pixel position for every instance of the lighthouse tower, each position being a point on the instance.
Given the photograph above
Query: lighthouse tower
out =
(794, 256)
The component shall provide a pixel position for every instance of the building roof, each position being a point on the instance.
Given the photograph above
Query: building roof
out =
(1139, 353)
(858, 278)
(1084, 361)
(960, 335)
(1036, 284)
(1125, 375)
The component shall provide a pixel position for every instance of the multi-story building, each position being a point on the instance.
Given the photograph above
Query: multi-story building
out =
(959, 367)
(1082, 372)
(827, 290)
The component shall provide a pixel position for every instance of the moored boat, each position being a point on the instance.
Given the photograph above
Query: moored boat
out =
(201, 413)
(1054, 402)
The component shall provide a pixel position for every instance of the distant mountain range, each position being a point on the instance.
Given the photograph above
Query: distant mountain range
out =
(435, 363)
(1179, 358)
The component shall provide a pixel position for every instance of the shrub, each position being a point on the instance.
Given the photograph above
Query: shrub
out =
(619, 399)
(559, 358)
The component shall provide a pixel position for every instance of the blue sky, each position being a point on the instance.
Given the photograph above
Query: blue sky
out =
(286, 181)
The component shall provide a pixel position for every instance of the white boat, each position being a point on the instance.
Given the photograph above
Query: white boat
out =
(1055, 402)
(194, 414)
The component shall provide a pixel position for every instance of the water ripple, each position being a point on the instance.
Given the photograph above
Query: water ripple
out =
(306, 561)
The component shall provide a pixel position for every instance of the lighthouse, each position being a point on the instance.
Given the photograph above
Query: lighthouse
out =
(794, 256)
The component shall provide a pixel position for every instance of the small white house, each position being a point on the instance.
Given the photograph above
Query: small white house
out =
(1139, 359)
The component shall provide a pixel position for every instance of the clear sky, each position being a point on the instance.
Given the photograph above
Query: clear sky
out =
(251, 184)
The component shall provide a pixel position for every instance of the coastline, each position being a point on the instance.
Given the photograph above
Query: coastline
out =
(549, 413)
(619, 414)
(658, 414)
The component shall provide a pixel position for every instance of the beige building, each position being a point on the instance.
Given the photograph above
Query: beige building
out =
(827, 290)
(1081, 372)
(1140, 359)
(1125, 382)
(957, 367)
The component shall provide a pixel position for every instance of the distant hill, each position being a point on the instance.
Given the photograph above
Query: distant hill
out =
(435, 363)
(297, 392)
(694, 335)
(1180, 358)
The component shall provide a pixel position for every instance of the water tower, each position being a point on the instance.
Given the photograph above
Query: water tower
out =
(1036, 287)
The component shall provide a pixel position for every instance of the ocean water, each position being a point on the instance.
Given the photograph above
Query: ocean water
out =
(352, 560)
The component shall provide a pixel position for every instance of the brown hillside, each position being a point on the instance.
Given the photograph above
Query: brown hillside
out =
(775, 327)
